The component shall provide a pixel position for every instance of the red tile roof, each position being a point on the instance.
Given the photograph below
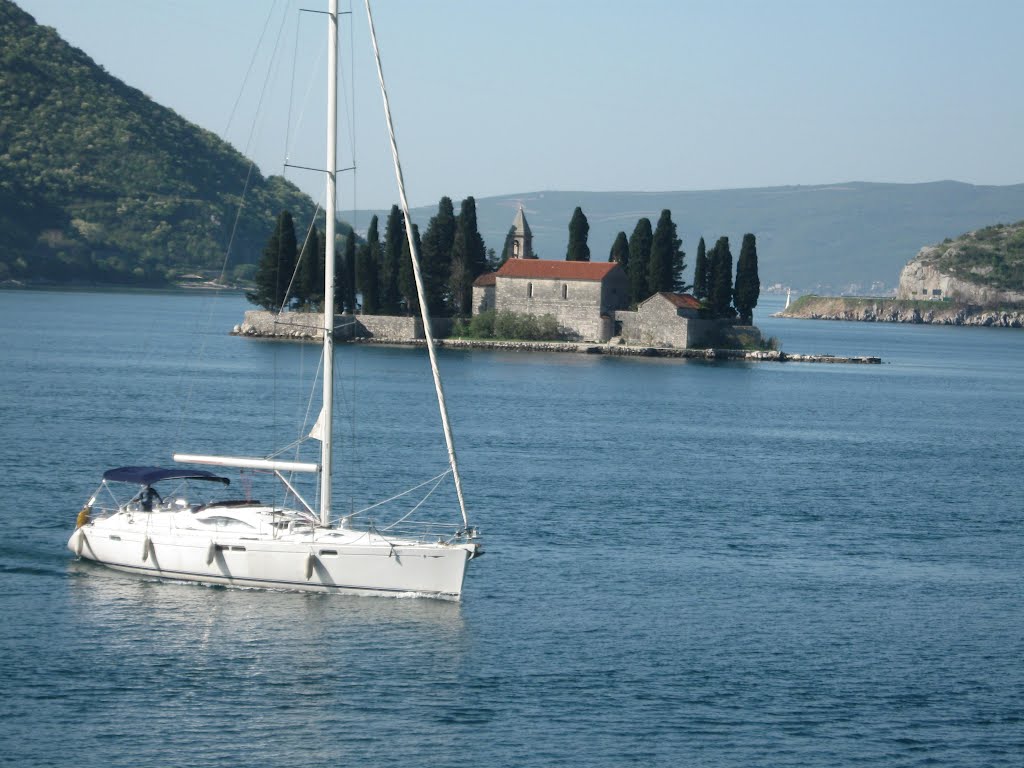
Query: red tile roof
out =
(485, 280)
(541, 269)
(682, 300)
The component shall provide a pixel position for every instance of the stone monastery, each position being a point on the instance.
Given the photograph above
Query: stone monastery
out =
(590, 300)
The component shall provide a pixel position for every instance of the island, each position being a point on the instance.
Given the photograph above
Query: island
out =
(974, 279)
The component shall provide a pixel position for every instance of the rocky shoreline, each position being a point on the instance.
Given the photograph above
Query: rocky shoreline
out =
(622, 350)
(261, 325)
(901, 311)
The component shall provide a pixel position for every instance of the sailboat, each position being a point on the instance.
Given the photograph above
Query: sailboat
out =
(170, 525)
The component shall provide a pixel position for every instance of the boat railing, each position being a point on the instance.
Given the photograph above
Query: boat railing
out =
(420, 531)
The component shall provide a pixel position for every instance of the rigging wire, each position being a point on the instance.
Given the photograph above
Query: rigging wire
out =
(186, 403)
(436, 480)
(414, 257)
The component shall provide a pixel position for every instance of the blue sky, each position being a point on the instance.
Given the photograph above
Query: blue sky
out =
(495, 98)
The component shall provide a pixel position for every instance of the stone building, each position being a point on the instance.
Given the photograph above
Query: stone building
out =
(483, 292)
(589, 300)
(582, 296)
(665, 320)
(520, 247)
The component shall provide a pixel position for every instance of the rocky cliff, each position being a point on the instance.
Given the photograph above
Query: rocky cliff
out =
(984, 267)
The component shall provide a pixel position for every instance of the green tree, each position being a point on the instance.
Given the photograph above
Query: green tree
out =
(437, 256)
(277, 263)
(460, 281)
(476, 248)
(309, 278)
(748, 283)
(620, 251)
(390, 297)
(579, 228)
(665, 268)
(406, 278)
(368, 270)
(720, 296)
(345, 293)
(468, 261)
(700, 272)
(506, 249)
(639, 255)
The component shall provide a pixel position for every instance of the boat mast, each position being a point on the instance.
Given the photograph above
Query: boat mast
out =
(428, 333)
(330, 208)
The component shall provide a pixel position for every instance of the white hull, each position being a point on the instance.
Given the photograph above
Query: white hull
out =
(244, 543)
(177, 545)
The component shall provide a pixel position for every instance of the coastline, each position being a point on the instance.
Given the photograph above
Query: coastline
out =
(877, 310)
(406, 332)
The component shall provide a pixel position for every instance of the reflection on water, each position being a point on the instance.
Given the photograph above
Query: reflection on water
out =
(198, 613)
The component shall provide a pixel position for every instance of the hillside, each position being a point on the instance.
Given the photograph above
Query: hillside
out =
(981, 267)
(100, 184)
(828, 238)
(822, 238)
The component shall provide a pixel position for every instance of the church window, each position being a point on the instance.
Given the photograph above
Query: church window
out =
(565, 291)
(515, 249)
(529, 290)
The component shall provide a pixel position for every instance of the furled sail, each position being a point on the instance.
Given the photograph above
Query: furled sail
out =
(317, 432)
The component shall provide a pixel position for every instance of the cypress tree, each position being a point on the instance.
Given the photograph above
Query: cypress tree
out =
(579, 228)
(639, 255)
(679, 285)
(620, 251)
(309, 279)
(468, 260)
(345, 293)
(748, 284)
(437, 255)
(459, 281)
(406, 278)
(390, 297)
(506, 249)
(664, 270)
(368, 270)
(476, 250)
(700, 272)
(721, 280)
(277, 263)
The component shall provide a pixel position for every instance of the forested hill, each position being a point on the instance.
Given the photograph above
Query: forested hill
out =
(100, 184)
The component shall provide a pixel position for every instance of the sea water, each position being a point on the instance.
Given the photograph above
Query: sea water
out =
(688, 563)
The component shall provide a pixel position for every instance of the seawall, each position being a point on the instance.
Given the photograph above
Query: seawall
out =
(408, 331)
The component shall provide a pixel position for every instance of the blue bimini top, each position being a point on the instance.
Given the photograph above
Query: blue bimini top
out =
(150, 475)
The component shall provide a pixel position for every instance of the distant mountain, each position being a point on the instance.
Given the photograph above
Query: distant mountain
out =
(824, 238)
(100, 184)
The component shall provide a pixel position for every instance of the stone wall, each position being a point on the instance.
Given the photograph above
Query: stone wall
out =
(305, 326)
(661, 325)
(576, 312)
(483, 298)
(658, 325)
